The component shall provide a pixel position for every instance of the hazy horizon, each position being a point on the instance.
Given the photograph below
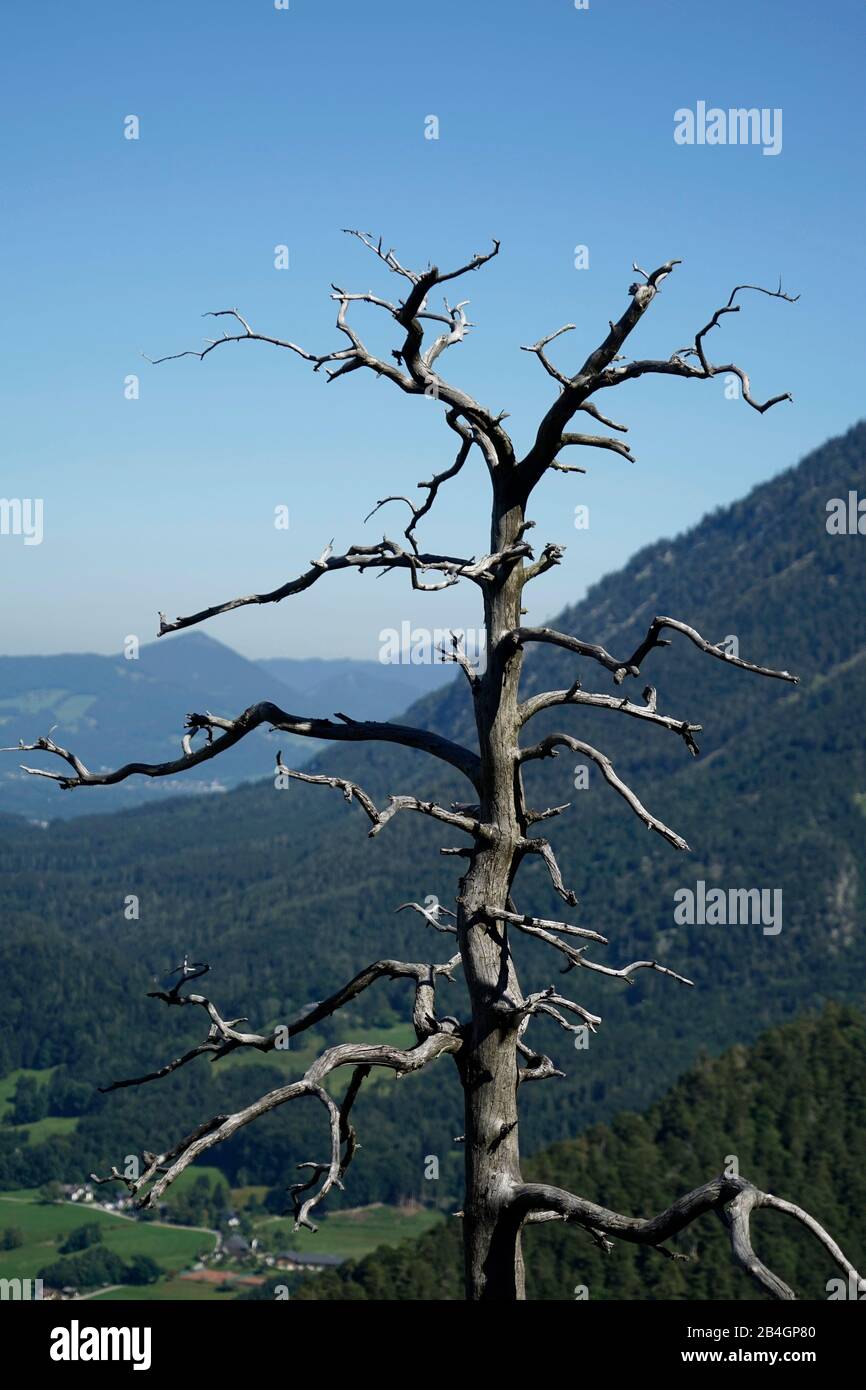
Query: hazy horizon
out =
(370, 652)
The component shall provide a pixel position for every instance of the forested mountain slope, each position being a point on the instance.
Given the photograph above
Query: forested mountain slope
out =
(282, 892)
(791, 1110)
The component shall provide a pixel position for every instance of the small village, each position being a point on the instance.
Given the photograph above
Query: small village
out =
(240, 1259)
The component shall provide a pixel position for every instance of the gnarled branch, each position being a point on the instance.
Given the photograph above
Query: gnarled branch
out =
(171, 1164)
(233, 730)
(599, 370)
(223, 1036)
(386, 555)
(547, 749)
(619, 668)
(732, 1198)
(653, 639)
(647, 711)
(379, 819)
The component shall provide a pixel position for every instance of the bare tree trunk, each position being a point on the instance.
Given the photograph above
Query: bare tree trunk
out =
(493, 1260)
(488, 1059)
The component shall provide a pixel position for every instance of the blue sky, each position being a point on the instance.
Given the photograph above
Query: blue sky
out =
(261, 127)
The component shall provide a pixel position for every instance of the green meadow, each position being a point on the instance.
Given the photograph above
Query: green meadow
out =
(167, 1290)
(350, 1233)
(46, 1225)
(38, 1130)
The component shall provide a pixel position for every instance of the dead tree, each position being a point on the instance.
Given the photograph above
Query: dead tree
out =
(490, 1045)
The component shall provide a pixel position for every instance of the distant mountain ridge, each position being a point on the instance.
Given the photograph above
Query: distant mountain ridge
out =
(366, 689)
(110, 709)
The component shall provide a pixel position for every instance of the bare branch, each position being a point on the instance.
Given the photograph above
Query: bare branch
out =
(627, 971)
(435, 1036)
(468, 436)
(378, 818)
(458, 327)
(559, 467)
(533, 817)
(733, 1199)
(351, 790)
(550, 556)
(419, 377)
(343, 1054)
(387, 257)
(597, 441)
(343, 1148)
(519, 636)
(233, 730)
(548, 1001)
(732, 308)
(592, 409)
(457, 654)
(647, 712)
(546, 932)
(598, 370)
(547, 749)
(520, 919)
(223, 1036)
(431, 916)
(677, 365)
(539, 1068)
(387, 555)
(538, 349)
(631, 667)
(545, 849)
(248, 333)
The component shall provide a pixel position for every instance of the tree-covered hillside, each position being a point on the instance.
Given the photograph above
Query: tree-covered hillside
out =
(790, 1111)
